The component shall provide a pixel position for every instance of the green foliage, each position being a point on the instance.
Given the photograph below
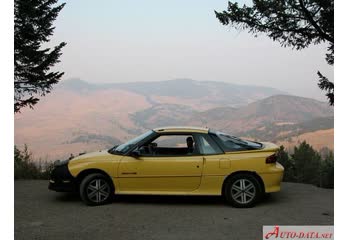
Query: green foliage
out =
(25, 168)
(305, 165)
(33, 27)
(292, 23)
(328, 86)
(327, 171)
(288, 164)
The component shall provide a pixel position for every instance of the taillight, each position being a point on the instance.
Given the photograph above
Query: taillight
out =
(272, 158)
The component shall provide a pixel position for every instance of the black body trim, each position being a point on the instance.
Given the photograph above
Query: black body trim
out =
(61, 180)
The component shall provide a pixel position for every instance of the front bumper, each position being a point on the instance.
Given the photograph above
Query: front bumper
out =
(61, 180)
(62, 186)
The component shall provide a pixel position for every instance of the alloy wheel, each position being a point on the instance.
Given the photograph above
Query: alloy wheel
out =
(243, 191)
(98, 190)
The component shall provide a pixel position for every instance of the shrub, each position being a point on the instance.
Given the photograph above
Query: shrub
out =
(26, 168)
(306, 165)
(288, 164)
(327, 171)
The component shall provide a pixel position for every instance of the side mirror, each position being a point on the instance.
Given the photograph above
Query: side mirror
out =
(135, 154)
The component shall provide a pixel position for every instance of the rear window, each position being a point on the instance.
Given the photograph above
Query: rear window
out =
(232, 143)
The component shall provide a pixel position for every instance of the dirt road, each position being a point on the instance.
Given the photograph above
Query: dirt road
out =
(43, 214)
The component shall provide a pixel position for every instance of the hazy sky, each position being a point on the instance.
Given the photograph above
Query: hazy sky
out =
(153, 40)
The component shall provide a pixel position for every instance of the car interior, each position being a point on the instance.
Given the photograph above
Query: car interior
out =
(173, 145)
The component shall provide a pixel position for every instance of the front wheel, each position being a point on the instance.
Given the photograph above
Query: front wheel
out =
(96, 189)
(242, 190)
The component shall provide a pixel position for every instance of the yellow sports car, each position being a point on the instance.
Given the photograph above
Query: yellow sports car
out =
(174, 161)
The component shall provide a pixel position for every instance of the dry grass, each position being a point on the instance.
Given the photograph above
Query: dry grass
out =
(317, 139)
(63, 115)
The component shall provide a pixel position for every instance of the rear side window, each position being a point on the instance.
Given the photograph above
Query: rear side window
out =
(232, 143)
(207, 146)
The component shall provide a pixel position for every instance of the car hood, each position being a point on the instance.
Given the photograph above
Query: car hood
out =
(92, 155)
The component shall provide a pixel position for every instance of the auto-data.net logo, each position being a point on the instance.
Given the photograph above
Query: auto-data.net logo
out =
(298, 232)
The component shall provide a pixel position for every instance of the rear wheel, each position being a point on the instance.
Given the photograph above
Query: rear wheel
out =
(242, 190)
(96, 189)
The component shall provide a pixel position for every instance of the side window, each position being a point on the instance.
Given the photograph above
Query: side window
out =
(172, 141)
(207, 145)
(170, 145)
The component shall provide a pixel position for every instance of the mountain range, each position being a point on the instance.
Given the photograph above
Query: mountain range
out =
(79, 116)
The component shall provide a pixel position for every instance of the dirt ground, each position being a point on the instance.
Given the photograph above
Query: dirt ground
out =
(43, 214)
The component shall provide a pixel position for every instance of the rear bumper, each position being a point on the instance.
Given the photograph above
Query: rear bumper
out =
(273, 178)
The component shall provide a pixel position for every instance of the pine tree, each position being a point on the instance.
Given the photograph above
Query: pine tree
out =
(33, 27)
(327, 171)
(288, 164)
(293, 23)
(307, 164)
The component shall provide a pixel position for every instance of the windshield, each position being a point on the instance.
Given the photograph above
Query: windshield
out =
(124, 148)
(232, 143)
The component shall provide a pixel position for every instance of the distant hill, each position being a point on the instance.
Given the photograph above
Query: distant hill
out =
(163, 115)
(320, 140)
(279, 131)
(79, 116)
(182, 91)
(217, 92)
(78, 85)
(281, 109)
(279, 119)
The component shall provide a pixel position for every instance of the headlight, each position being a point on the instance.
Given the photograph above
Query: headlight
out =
(60, 162)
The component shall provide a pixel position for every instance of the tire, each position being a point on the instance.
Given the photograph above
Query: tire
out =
(96, 189)
(242, 190)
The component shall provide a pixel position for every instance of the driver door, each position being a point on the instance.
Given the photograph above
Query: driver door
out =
(168, 166)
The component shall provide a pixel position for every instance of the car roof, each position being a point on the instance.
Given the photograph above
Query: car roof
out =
(182, 129)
